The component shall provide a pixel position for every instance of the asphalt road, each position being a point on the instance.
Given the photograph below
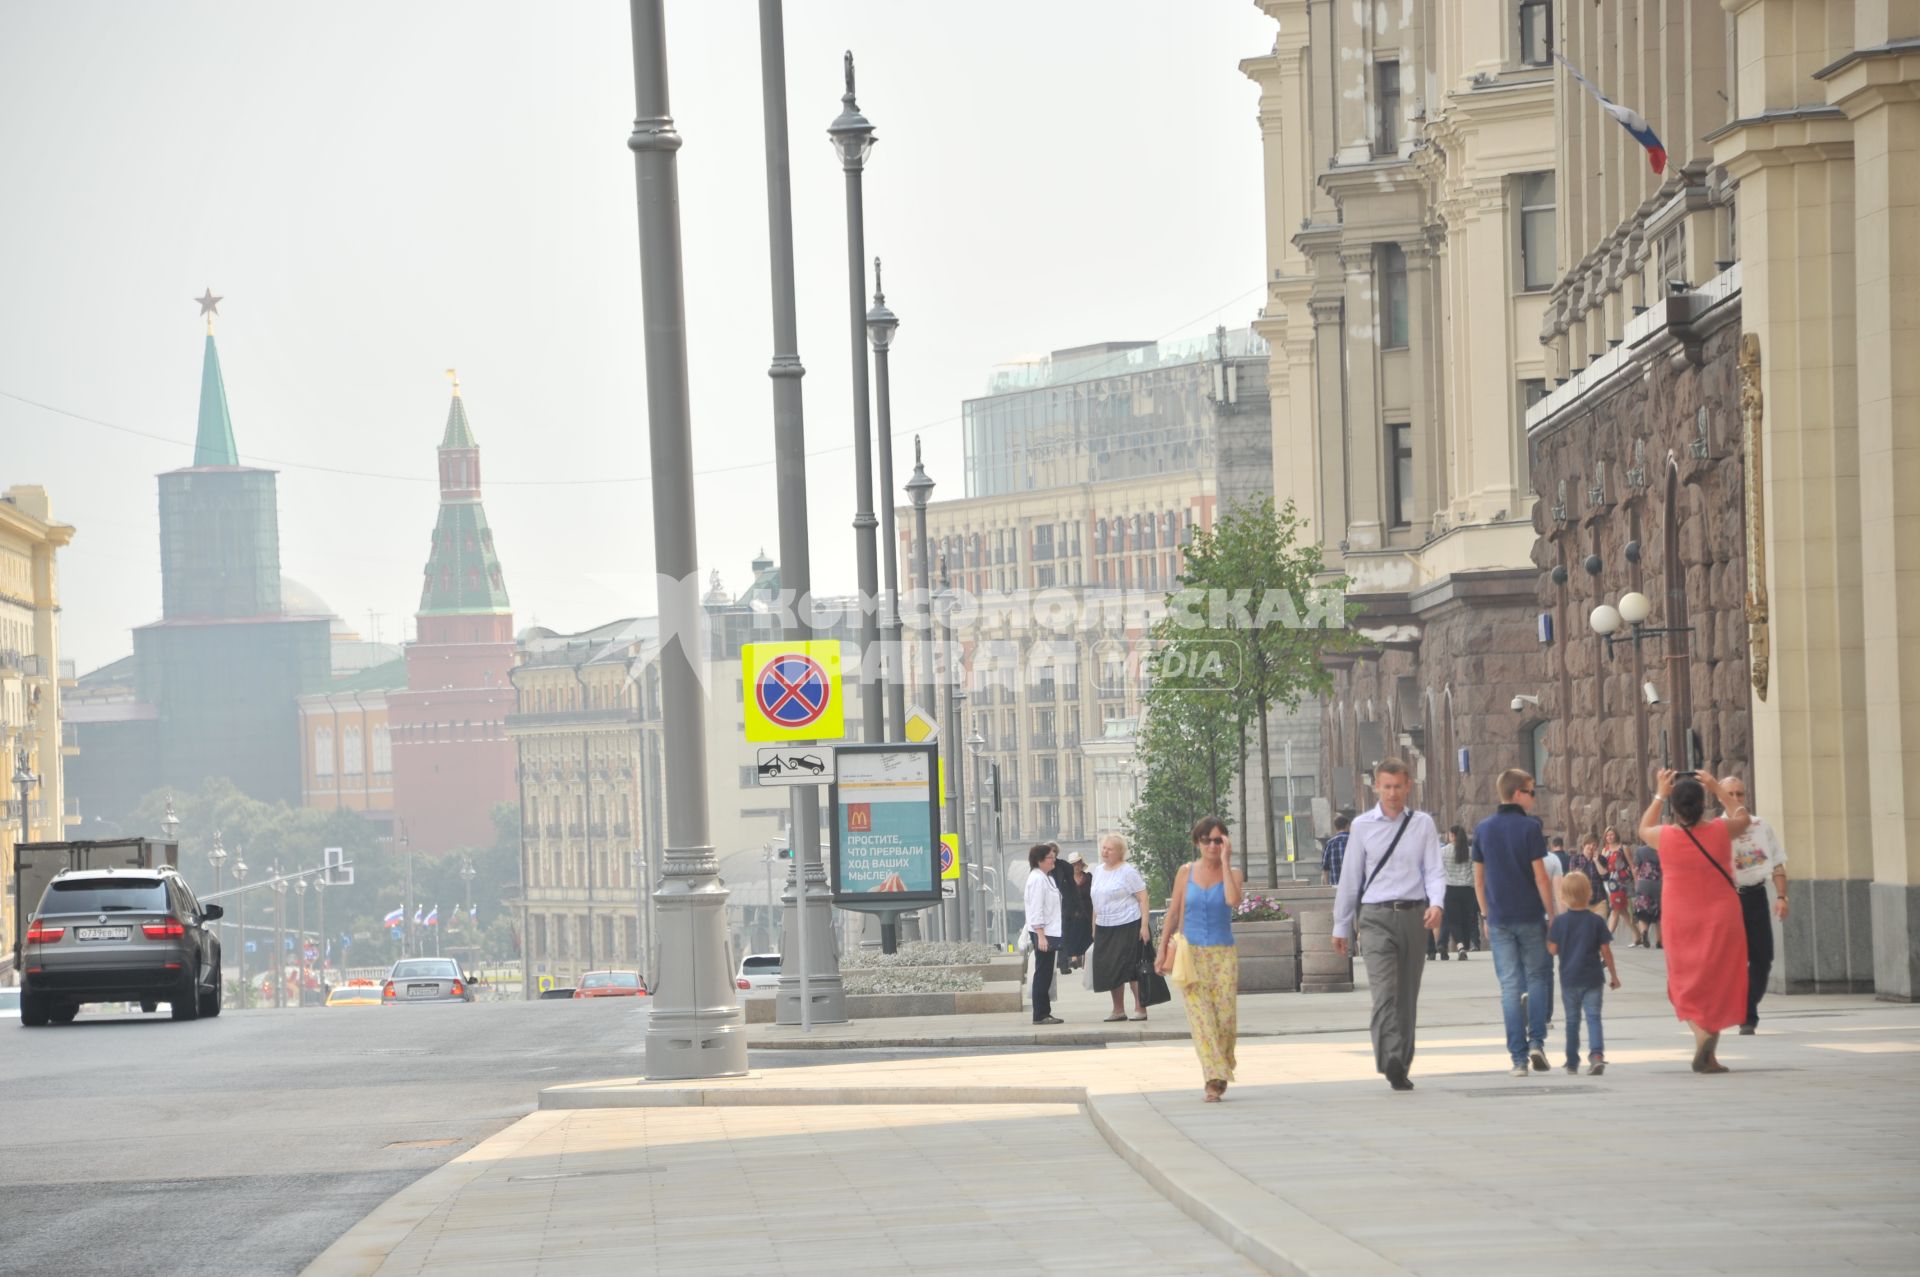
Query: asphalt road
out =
(246, 1144)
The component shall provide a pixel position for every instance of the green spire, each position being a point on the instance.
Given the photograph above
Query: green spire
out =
(459, 434)
(213, 446)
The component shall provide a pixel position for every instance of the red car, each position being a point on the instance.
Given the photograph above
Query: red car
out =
(610, 984)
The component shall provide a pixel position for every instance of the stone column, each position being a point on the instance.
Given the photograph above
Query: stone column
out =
(1423, 351)
(1329, 410)
(1811, 756)
(1362, 332)
(1881, 95)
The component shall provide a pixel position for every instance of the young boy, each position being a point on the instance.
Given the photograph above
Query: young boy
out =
(1581, 940)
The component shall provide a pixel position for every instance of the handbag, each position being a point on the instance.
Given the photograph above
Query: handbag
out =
(1181, 972)
(1153, 985)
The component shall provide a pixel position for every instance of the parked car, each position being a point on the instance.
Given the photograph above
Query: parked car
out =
(759, 974)
(425, 980)
(807, 763)
(119, 935)
(557, 993)
(611, 984)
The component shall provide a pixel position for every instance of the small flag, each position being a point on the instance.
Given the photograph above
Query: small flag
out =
(397, 917)
(473, 911)
(419, 914)
(346, 940)
(433, 918)
(1630, 120)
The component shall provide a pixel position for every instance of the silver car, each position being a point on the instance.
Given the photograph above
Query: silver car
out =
(119, 935)
(425, 980)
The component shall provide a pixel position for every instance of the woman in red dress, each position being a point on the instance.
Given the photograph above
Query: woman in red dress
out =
(1706, 939)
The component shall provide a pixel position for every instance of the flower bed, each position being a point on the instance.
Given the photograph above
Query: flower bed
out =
(1260, 909)
(911, 980)
(921, 953)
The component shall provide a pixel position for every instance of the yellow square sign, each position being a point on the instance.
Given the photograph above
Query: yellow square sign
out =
(792, 691)
(920, 725)
(949, 856)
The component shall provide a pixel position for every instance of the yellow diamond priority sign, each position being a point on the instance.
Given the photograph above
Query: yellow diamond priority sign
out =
(921, 726)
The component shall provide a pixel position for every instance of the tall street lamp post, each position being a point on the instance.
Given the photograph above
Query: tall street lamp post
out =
(881, 326)
(406, 903)
(467, 875)
(696, 1028)
(23, 780)
(240, 877)
(853, 138)
(920, 488)
(217, 857)
(170, 825)
(976, 746)
(279, 937)
(810, 987)
(300, 945)
(320, 941)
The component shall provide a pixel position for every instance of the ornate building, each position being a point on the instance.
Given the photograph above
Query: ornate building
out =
(1410, 176)
(452, 759)
(32, 680)
(1734, 398)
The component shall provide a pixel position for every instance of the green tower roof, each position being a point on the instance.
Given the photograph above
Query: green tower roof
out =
(463, 572)
(213, 445)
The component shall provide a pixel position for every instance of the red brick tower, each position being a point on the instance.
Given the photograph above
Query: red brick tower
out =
(451, 757)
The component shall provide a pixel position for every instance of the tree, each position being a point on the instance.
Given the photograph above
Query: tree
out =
(1257, 588)
(1186, 744)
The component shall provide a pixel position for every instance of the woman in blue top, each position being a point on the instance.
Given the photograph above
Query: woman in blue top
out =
(1200, 907)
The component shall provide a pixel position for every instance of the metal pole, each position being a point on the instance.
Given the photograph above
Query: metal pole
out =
(1292, 850)
(816, 970)
(881, 325)
(979, 841)
(1000, 863)
(300, 947)
(696, 1028)
(406, 918)
(852, 135)
(957, 769)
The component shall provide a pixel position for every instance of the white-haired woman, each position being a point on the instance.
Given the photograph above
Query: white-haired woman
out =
(1120, 927)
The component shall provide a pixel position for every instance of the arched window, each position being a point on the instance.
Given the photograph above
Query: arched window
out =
(353, 760)
(1119, 534)
(323, 752)
(1100, 536)
(382, 750)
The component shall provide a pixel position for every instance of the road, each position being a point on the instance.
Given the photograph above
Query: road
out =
(245, 1145)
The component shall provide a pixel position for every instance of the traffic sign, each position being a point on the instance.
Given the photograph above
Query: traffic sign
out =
(795, 765)
(949, 856)
(544, 983)
(336, 872)
(949, 890)
(921, 726)
(792, 691)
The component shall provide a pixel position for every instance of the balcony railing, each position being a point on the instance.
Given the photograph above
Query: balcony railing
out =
(1044, 740)
(1046, 789)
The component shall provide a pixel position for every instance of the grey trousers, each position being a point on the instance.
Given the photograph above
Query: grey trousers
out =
(1394, 944)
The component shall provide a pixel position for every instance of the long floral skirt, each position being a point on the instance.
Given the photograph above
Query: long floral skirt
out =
(1213, 1008)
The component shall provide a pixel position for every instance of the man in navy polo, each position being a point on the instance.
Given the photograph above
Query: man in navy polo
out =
(1510, 877)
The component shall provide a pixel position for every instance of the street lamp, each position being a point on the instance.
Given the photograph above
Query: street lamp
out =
(240, 876)
(406, 903)
(300, 944)
(23, 780)
(920, 488)
(976, 743)
(279, 937)
(320, 931)
(171, 824)
(217, 857)
(881, 326)
(853, 139)
(467, 873)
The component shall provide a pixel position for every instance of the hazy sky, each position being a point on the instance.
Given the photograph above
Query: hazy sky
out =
(383, 191)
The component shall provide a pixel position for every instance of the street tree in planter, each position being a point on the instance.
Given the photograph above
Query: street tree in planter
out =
(1256, 582)
(1187, 741)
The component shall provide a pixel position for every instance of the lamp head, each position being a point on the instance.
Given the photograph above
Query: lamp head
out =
(1605, 620)
(851, 132)
(1635, 607)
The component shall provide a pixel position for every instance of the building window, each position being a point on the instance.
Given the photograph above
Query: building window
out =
(1386, 96)
(1400, 493)
(382, 751)
(1532, 391)
(354, 761)
(1536, 32)
(1393, 297)
(1536, 231)
(323, 752)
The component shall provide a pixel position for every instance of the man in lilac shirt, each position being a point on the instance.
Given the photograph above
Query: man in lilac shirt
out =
(1391, 889)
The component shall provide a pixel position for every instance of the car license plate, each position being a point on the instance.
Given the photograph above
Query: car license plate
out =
(100, 933)
(423, 990)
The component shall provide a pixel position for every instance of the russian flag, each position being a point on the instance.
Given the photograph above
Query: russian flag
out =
(397, 917)
(419, 914)
(433, 918)
(1630, 120)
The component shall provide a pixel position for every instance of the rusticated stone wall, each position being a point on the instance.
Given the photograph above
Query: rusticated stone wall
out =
(1476, 651)
(1601, 471)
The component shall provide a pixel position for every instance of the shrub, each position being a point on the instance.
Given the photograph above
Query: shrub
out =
(1260, 909)
(920, 953)
(912, 980)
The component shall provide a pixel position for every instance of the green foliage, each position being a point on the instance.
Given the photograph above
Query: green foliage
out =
(1256, 590)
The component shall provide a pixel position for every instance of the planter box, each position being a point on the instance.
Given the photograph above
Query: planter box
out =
(879, 1006)
(1269, 956)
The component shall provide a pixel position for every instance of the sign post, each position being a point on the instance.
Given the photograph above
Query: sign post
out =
(886, 847)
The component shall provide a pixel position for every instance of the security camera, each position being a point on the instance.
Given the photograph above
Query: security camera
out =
(1651, 692)
(1521, 703)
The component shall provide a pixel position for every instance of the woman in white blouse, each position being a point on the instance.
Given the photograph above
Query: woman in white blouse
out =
(1043, 920)
(1120, 927)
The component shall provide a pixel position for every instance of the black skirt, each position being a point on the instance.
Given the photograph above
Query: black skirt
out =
(1116, 956)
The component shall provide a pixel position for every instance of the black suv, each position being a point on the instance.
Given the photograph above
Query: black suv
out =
(119, 935)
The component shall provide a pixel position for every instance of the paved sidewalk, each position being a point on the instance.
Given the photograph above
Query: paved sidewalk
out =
(1806, 1158)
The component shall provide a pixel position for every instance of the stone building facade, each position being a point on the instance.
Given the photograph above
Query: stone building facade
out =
(1792, 127)
(1410, 188)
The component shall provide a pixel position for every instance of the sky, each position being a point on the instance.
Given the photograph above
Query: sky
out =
(385, 191)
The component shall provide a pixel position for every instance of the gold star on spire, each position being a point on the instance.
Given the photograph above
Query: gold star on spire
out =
(209, 306)
(454, 377)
